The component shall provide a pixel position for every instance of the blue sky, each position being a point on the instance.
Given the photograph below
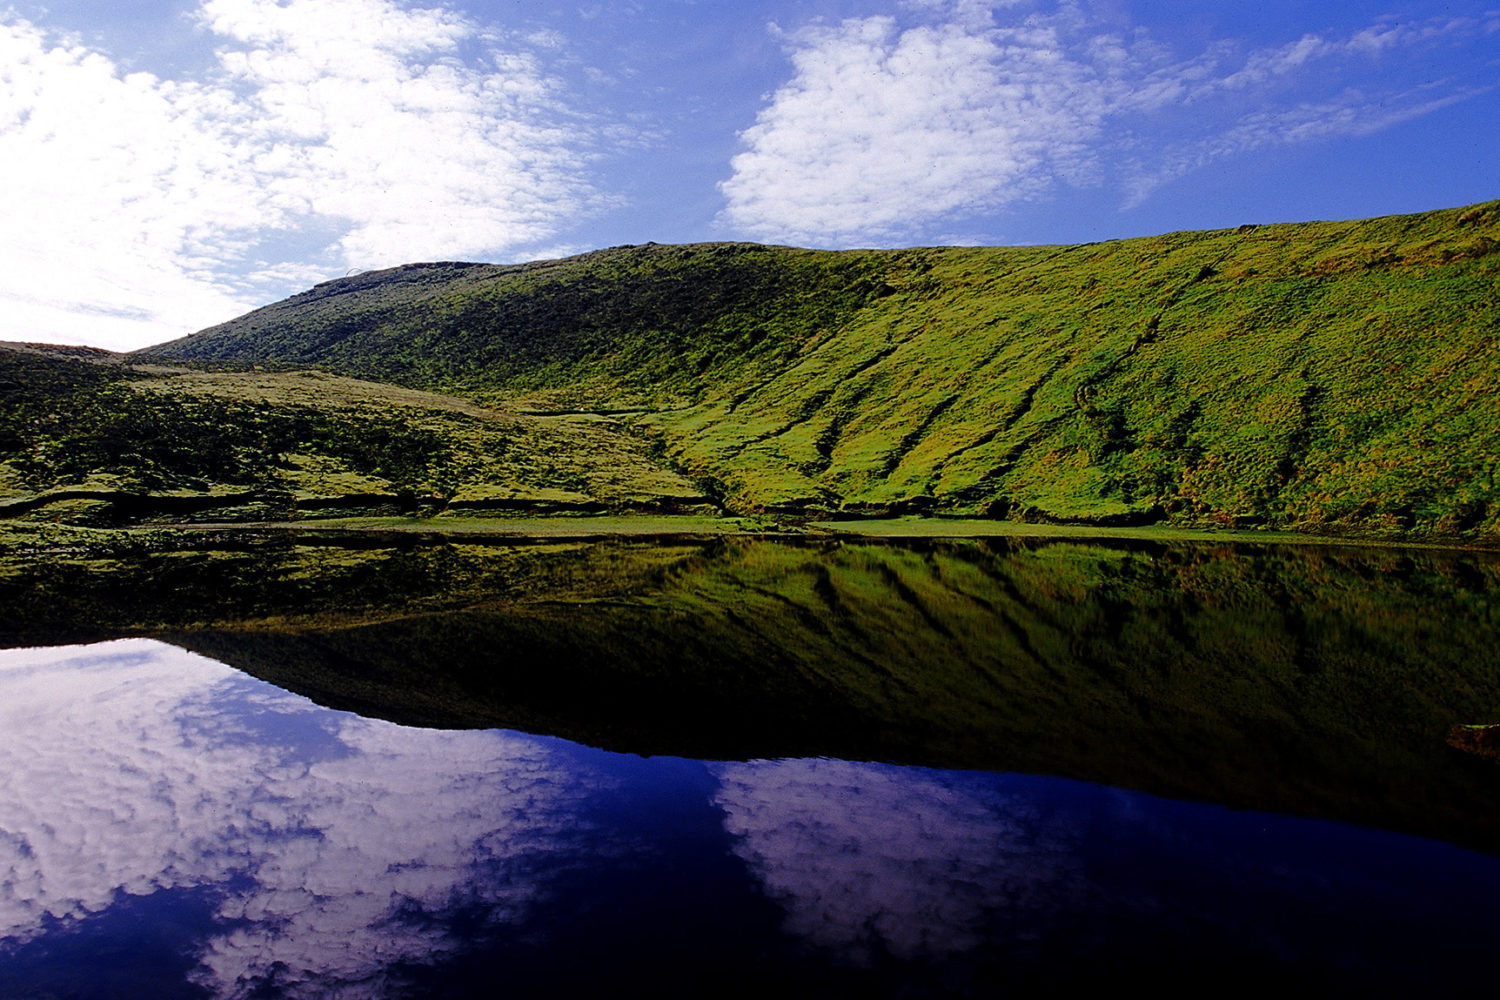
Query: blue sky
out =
(170, 165)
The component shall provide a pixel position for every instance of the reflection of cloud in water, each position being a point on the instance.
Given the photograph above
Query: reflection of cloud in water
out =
(867, 858)
(126, 768)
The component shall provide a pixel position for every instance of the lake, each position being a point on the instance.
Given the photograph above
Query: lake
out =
(738, 766)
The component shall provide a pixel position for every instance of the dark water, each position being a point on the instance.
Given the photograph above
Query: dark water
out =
(171, 827)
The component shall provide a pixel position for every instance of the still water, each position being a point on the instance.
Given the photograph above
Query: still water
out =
(172, 827)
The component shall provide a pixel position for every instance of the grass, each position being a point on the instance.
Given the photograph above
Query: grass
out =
(137, 442)
(1329, 379)
(1319, 377)
(455, 528)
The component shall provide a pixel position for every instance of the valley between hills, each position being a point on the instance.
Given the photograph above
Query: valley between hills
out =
(1333, 379)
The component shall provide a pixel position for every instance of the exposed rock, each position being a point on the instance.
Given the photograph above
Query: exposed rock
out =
(1481, 741)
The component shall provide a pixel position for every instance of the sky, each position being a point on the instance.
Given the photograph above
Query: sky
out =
(169, 165)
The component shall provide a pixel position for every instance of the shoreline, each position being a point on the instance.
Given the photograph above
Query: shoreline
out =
(364, 532)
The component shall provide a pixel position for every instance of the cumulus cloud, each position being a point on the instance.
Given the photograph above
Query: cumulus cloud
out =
(890, 128)
(372, 116)
(336, 844)
(881, 126)
(331, 134)
(96, 242)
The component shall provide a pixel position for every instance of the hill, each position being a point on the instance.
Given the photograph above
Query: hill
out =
(1319, 377)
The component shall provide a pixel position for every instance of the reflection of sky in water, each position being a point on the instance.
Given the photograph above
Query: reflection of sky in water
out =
(1019, 879)
(869, 859)
(132, 768)
(169, 826)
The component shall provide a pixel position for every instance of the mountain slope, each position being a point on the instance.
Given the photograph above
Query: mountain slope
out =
(1322, 376)
(650, 319)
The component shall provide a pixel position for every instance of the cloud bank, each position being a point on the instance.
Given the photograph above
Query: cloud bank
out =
(891, 128)
(331, 134)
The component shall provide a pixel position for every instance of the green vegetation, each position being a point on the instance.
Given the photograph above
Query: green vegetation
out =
(610, 328)
(1320, 378)
(111, 443)
(160, 441)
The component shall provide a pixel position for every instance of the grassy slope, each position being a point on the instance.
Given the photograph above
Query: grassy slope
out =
(1323, 377)
(97, 441)
(1320, 377)
(654, 324)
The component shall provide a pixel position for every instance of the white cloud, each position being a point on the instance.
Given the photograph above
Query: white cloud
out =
(334, 134)
(370, 116)
(880, 125)
(94, 239)
(888, 130)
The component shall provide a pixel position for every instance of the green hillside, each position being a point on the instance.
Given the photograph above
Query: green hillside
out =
(645, 322)
(101, 442)
(1321, 377)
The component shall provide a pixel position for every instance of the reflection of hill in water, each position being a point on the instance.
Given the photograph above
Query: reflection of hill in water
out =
(1297, 679)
